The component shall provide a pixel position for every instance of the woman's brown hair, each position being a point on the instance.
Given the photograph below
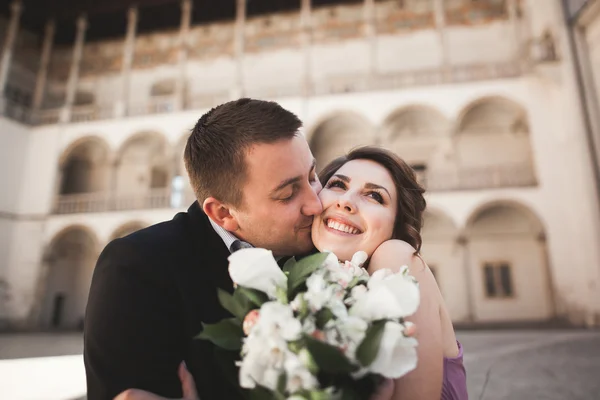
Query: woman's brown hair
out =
(411, 203)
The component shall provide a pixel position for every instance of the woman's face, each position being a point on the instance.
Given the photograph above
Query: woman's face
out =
(359, 210)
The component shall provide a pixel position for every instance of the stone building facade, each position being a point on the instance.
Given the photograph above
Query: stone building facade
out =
(482, 98)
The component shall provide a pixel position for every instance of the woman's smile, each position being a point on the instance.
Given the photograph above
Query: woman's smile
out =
(341, 226)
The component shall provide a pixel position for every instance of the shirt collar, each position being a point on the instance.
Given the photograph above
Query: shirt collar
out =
(227, 237)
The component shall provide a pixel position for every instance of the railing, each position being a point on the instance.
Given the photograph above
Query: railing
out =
(433, 76)
(46, 117)
(83, 113)
(330, 85)
(154, 105)
(15, 111)
(275, 92)
(479, 178)
(462, 179)
(105, 201)
(206, 100)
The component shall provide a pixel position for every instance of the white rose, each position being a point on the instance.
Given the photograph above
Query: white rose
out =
(298, 376)
(277, 321)
(397, 354)
(359, 258)
(255, 370)
(353, 331)
(357, 292)
(318, 294)
(390, 296)
(256, 269)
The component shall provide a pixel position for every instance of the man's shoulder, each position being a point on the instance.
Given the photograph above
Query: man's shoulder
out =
(173, 239)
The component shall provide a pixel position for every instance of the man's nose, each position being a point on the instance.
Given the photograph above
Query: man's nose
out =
(312, 205)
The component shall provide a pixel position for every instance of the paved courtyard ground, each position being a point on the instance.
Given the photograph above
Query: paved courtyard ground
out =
(515, 365)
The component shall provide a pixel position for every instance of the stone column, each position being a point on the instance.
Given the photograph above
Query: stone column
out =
(463, 242)
(371, 36)
(240, 22)
(515, 25)
(9, 44)
(65, 115)
(128, 52)
(306, 39)
(440, 26)
(40, 82)
(184, 30)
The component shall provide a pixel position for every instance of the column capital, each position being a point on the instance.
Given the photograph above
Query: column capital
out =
(50, 26)
(132, 12)
(16, 7)
(82, 23)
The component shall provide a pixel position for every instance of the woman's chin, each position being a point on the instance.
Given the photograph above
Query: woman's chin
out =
(342, 253)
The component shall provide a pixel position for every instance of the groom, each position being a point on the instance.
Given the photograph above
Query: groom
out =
(255, 180)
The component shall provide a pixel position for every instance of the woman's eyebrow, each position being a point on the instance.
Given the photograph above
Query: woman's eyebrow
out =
(374, 186)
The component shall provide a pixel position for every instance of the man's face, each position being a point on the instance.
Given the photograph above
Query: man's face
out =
(279, 197)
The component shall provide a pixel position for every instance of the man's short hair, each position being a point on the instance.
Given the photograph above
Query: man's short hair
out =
(215, 151)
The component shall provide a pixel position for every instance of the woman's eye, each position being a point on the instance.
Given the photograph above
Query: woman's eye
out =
(338, 184)
(376, 196)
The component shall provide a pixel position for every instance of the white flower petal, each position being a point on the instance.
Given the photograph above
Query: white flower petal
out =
(397, 354)
(389, 296)
(359, 258)
(256, 269)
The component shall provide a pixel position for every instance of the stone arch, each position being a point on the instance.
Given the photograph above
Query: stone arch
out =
(143, 163)
(445, 256)
(507, 255)
(68, 266)
(493, 133)
(127, 229)
(415, 121)
(338, 133)
(84, 166)
(420, 135)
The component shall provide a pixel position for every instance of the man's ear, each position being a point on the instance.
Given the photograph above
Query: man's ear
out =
(220, 214)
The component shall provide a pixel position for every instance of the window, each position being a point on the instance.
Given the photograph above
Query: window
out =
(498, 280)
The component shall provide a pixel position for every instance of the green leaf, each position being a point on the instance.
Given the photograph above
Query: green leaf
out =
(289, 264)
(329, 358)
(323, 316)
(226, 334)
(369, 347)
(355, 281)
(231, 304)
(261, 393)
(244, 304)
(320, 395)
(282, 383)
(303, 269)
(256, 297)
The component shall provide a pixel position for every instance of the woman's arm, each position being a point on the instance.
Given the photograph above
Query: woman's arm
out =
(425, 382)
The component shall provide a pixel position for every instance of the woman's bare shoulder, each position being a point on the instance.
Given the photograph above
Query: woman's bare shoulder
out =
(392, 254)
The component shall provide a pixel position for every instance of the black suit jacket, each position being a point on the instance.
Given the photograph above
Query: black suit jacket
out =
(149, 294)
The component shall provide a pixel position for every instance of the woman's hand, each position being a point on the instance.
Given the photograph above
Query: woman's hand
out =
(187, 385)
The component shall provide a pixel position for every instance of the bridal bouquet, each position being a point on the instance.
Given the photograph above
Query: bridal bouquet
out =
(318, 329)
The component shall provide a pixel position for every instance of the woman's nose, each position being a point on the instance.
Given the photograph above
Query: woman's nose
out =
(345, 203)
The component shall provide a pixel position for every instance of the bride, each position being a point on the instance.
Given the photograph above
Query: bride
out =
(373, 202)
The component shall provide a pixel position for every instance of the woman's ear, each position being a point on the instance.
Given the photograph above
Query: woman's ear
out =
(220, 213)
